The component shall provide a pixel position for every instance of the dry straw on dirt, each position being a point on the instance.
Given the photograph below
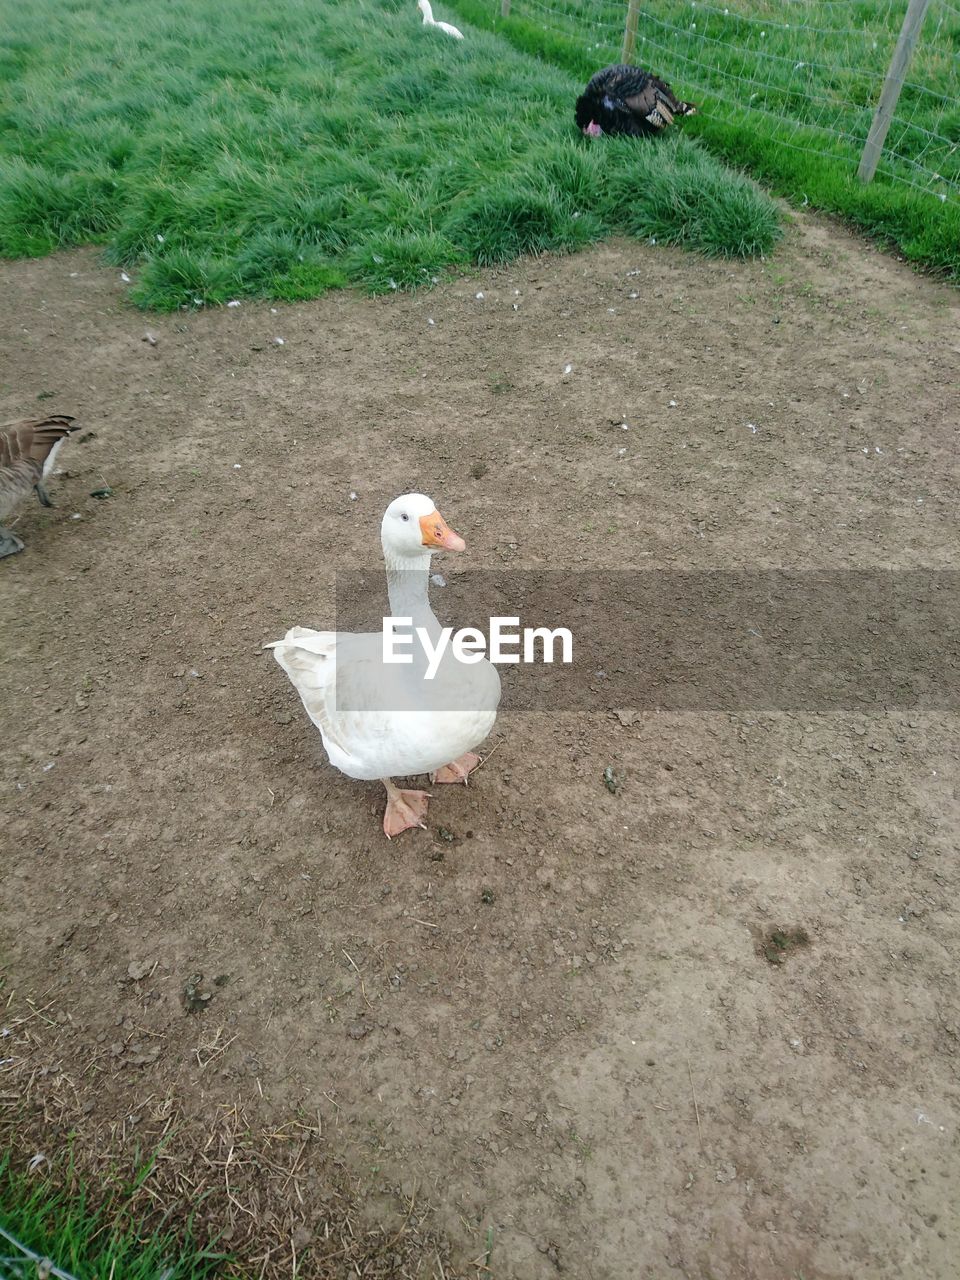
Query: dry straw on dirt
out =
(274, 1198)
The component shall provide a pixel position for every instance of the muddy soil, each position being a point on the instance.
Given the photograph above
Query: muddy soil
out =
(560, 1015)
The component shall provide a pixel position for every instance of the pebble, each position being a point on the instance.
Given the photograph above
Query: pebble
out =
(301, 1238)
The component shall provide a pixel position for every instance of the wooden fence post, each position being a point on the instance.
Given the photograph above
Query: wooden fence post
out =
(630, 31)
(883, 116)
(504, 8)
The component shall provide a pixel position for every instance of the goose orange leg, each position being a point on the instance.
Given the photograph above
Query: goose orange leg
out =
(405, 809)
(457, 770)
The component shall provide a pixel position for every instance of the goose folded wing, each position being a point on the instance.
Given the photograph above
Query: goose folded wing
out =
(16, 449)
(20, 469)
(47, 434)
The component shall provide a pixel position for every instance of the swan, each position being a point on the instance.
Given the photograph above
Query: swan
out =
(28, 448)
(378, 721)
(429, 20)
(623, 99)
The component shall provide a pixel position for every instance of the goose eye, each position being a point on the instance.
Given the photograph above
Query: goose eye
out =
(404, 516)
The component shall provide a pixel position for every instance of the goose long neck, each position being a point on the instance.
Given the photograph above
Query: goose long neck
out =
(407, 587)
(426, 10)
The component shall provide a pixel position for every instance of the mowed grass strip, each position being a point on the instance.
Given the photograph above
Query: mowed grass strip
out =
(789, 101)
(239, 148)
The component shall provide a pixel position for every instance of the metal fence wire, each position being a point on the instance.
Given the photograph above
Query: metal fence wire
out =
(17, 1262)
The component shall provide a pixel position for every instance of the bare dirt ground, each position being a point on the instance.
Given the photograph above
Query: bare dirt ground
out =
(553, 1042)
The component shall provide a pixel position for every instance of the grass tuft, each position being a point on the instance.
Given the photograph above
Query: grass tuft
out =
(222, 150)
(676, 196)
(500, 223)
(400, 260)
(41, 210)
(181, 277)
(59, 1221)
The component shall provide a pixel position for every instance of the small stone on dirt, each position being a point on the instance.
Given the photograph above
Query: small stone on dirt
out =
(193, 998)
(777, 944)
(612, 781)
(140, 1057)
(301, 1237)
(726, 1173)
(357, 1030)
(138, 969)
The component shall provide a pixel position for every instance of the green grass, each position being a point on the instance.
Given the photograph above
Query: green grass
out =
(791, 104)
(91, 1240)
(237, 148)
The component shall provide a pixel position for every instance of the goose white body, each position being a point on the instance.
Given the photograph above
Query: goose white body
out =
(379, 720)
(429, 21)
(387, 740)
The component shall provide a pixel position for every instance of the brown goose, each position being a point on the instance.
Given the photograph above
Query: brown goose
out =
(27, 451)
(629, 100)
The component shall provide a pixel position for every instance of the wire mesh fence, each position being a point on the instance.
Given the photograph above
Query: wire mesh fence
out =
(808, 73)
(17, 1262)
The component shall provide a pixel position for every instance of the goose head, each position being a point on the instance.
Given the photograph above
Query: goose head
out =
(413, 528)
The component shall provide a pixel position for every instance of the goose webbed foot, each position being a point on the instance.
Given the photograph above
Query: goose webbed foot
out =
(10, 544)
(42, 494)
(405, 809)
(457, 770)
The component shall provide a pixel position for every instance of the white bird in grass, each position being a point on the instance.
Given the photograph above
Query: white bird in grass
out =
(430, 21)
(382, 721)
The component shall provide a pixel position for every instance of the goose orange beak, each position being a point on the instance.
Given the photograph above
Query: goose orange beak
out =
(435, 532)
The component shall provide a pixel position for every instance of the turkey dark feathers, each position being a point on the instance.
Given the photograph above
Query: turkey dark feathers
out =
(628, 100)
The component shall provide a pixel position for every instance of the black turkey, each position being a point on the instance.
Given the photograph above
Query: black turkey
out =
(628, 100)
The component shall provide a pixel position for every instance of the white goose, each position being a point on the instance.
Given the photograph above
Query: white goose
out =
(390, 721)
(429, 20)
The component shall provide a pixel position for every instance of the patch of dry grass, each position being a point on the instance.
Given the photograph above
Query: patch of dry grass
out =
(277, 1200)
